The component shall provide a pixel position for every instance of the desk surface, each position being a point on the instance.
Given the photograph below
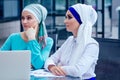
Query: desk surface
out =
(54, 78)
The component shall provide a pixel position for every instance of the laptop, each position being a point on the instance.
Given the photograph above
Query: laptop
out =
(15, 65)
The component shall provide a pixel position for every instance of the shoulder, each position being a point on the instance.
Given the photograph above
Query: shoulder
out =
(68, 41)
(93, 41)
(69, 38)
(49, 40)
(92, 45)
(14, 35)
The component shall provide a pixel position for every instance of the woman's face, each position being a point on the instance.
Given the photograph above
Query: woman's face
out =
(28, 20)
(71, 23)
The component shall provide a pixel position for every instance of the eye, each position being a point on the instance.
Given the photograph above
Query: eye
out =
(68, 17)
(29, 18)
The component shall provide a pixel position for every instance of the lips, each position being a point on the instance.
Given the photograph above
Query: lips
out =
(67, 25)
(25, 26)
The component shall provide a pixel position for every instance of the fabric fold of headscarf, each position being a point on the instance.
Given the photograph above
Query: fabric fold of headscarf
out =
(88, 17)
(40, 14)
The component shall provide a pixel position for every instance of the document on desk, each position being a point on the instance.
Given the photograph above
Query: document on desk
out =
(42, 73)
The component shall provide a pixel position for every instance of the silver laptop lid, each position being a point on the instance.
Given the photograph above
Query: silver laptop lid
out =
(15, 65)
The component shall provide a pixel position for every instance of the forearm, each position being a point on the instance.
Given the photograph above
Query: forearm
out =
(48, 62)
(39, 55)
(72, 71)
(86, 63)
(37, 60)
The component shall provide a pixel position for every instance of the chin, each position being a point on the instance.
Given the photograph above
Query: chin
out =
(24, 29)
(68, 30)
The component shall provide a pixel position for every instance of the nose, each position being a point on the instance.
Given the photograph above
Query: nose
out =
(65, 21)
(24, 21)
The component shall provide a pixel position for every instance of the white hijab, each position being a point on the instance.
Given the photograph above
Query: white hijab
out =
(88, 17)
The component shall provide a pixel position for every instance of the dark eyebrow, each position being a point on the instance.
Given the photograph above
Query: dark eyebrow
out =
(29, 16)
(69, 15)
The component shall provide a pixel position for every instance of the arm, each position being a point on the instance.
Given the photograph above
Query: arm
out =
(88, 60)
(51, 64)
(39, 55)
(54, 59)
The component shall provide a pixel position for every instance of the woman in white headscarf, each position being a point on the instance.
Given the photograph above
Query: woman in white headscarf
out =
(34, 37)
(78, 55)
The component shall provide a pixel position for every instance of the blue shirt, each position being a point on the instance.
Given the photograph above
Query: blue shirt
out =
(38, 54)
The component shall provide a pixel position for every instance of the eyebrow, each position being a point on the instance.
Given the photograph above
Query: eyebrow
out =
(69, 14)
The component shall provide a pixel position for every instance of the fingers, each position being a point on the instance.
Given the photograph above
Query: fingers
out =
(34, 26)
(30, 33)
(57, 70)
(31, 30)
(60, 71)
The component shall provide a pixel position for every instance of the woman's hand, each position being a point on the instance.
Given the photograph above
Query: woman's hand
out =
(30, 33)
(56, 70)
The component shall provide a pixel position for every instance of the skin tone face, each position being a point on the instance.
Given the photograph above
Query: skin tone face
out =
(71, 23)
(28, 20)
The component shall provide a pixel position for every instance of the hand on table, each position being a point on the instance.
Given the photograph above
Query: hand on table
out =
(57, 70)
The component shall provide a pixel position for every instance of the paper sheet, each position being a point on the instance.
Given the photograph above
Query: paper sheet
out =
(42, 73)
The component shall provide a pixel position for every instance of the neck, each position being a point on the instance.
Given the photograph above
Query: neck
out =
(75, 34)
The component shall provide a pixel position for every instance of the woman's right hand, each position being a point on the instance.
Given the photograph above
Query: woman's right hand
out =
(30, 33)
(56, 70)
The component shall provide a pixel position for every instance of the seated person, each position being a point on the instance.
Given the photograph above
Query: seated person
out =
(34, 37)
(78, 56)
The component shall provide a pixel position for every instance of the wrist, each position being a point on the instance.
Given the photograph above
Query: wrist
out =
(50, 66)
(31, 38)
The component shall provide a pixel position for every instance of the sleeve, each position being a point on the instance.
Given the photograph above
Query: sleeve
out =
(39, 55)
(88, 60)
(55, 58)
(7, 44)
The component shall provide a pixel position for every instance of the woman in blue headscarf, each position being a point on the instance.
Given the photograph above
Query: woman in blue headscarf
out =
(78, 55)
(34, 37)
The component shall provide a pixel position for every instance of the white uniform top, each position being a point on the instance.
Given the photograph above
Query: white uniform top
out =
(76, 64)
